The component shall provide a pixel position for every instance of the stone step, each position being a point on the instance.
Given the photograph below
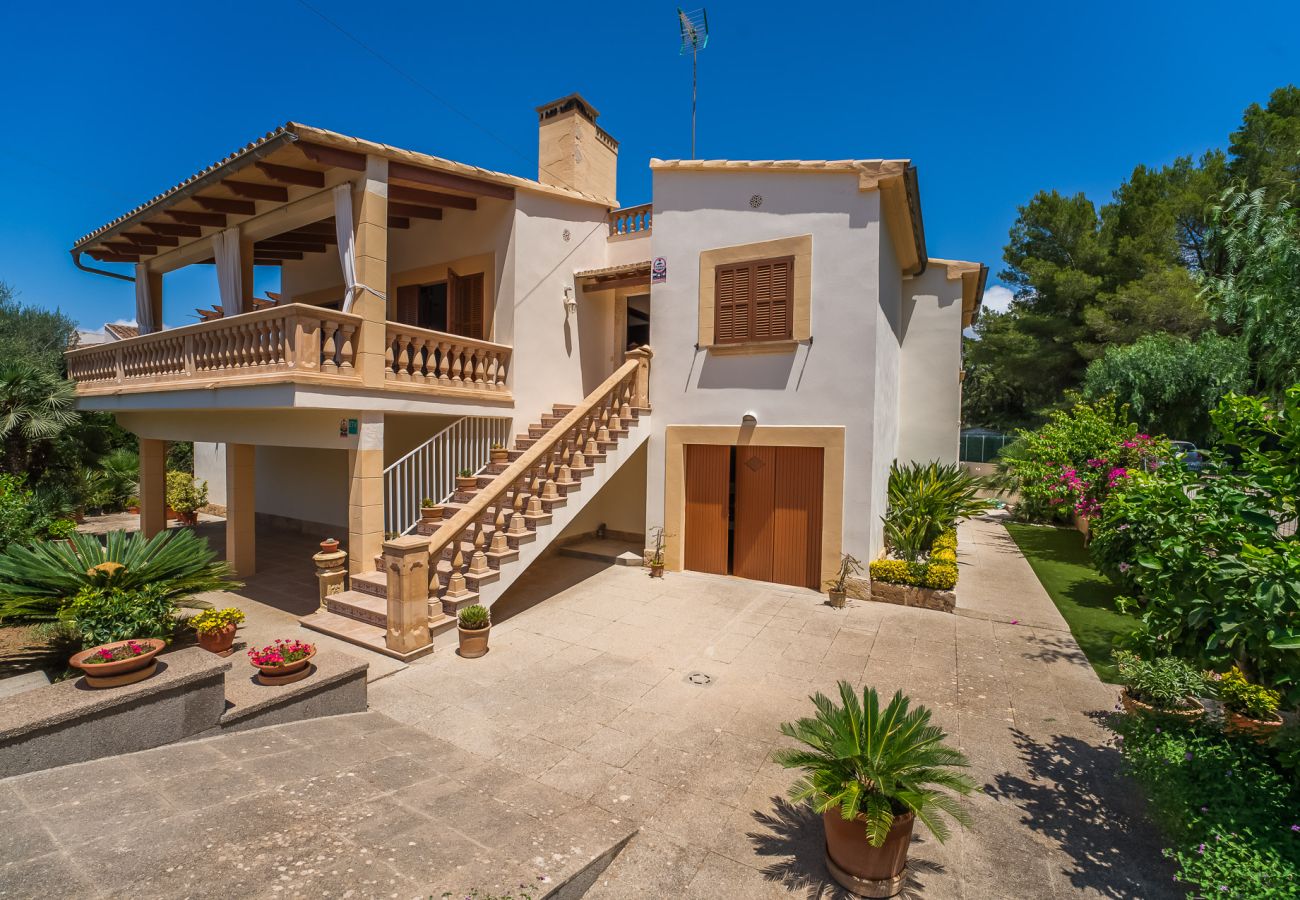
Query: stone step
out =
(365, 608)
(372, 637)
(373, 583)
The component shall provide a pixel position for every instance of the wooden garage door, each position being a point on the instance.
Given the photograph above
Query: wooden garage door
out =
(779, 515)
(708, 485)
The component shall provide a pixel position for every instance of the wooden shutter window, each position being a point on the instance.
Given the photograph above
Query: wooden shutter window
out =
(466, 304)
(753, 300)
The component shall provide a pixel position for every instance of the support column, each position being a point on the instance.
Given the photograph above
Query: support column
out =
(406, 562)
(246, 272)
(370, 220)
(366, 494)
(156, 298)
(153, 486)
(241, 506)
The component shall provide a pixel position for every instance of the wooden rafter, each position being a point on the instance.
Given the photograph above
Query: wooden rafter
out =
(178, 230)
(185, 217)
(332, 156)
(287, 245)
(227, 205)
(410, 210)
(254, 191)
(151, 240)
(399, 222)
(304, 238)
(277, 254)
(262, 261)
(128, 249)
(430, 198)
(105, 256)
(292, 175)
(398, 171)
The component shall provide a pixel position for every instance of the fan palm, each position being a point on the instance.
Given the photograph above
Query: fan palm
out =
(35, 405)
(121, 470)
(876, 764)
(36, 581)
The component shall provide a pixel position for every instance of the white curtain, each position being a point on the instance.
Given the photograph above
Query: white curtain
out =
(225, 249)
(144, 317)
(343, 231)
(347, 251)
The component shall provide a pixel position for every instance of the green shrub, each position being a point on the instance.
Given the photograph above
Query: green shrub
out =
(24, 517)
(60, 529)
(1252, 700)
(1225, 804)
(100, 615)
(893, 571)
(939, 576)
(474, 617)
(35, 582)
(1164, 683)
(184, 493)
(946, 541)
(925, 502)
(945, 556)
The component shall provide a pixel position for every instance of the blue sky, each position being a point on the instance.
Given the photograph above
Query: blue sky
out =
(103, 107)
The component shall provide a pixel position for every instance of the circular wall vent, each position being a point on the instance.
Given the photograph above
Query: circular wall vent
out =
(756, 201)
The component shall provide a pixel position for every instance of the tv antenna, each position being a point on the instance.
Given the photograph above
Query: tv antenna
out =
(695, 37)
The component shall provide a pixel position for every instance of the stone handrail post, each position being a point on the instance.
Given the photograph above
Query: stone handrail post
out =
(407, 562)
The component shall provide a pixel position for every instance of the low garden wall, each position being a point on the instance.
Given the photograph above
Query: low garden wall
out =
(906, 595)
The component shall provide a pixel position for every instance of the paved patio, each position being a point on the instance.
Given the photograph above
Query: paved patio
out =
(582, 722)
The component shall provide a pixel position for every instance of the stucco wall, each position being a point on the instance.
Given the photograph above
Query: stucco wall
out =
(930, 405)
(620, 503)
(304, 483)
(830, 381)
(210, 466)
(885, 413)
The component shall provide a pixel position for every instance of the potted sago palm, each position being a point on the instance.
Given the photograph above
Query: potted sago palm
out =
(872, 773)
(474, 623)
(837, 587)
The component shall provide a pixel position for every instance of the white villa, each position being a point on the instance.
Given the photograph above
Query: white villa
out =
(738, 360)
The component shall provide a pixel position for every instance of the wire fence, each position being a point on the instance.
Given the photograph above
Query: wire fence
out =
(982, 447)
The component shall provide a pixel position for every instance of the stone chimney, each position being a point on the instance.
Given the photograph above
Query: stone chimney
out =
(573, 151)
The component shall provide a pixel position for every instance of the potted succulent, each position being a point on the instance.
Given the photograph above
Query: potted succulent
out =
(498, 452)
(216, 629)
(118, 663)
(329, 545)
(836, 587)
(1165, 687)
(474, 623)
(871, 773)
(657, 554)
(466, 480)
(1248, 708)
(185, 496)
(283, 662)
(430, 509)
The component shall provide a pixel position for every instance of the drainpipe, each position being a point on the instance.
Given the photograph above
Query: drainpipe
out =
(76, 261)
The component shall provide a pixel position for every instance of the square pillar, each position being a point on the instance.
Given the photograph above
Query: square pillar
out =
(153, 486)
(246, 272)
(366, 494)
(370, 223)
(406, 561)
(241, 509)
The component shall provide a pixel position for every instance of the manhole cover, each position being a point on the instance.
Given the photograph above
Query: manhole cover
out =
(699, 678)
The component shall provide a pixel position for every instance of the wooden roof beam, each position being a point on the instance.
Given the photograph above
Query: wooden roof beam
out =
(399, 222)
(128, 249)
(254, 191)
(151, 240)
(399, 171)
(226, 205)
(410, 210)
(332, 156)
(430, 198)
(287, 245)
(276, 254)
(292, 175)
(185, 217)
(177, 230)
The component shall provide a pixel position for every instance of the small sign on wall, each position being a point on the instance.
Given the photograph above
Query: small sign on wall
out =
(347, 427)
(659, 270)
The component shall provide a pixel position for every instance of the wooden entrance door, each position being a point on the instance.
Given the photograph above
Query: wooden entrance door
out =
(708, 489)
(779, 515)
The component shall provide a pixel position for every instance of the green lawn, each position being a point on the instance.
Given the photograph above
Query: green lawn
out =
(1085, 597)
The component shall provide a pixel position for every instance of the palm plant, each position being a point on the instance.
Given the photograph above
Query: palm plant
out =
(121, 470)
(36, 581)
(875, 765)
(35, 406)
(924, 501)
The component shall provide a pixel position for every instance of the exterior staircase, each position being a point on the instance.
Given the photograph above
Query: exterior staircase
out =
(490, 533)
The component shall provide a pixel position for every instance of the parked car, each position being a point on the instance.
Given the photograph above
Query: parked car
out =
(1188, 454)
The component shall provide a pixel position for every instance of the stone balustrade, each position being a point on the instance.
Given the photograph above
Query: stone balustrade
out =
(447, 361)
(294, 338)
(631, 220)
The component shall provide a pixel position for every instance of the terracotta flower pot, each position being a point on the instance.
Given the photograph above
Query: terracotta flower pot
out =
(188, 518)
(122, 671)
(133, 510)
(656, 570)
(861, 868)
(219, 641)
(329, 545)
(836, 598)
(287, 673)
(466, 482)
(1133, 705)
(431, 513)
(473, 641)
(1260, 729)
(499, 455)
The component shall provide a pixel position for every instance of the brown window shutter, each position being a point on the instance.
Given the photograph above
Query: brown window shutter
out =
(472, 285)
(753, 301)
(732, 304)
(408, 304)
(773, 296)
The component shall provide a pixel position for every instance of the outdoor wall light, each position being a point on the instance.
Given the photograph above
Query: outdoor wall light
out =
(570, 302)
(749, 419)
